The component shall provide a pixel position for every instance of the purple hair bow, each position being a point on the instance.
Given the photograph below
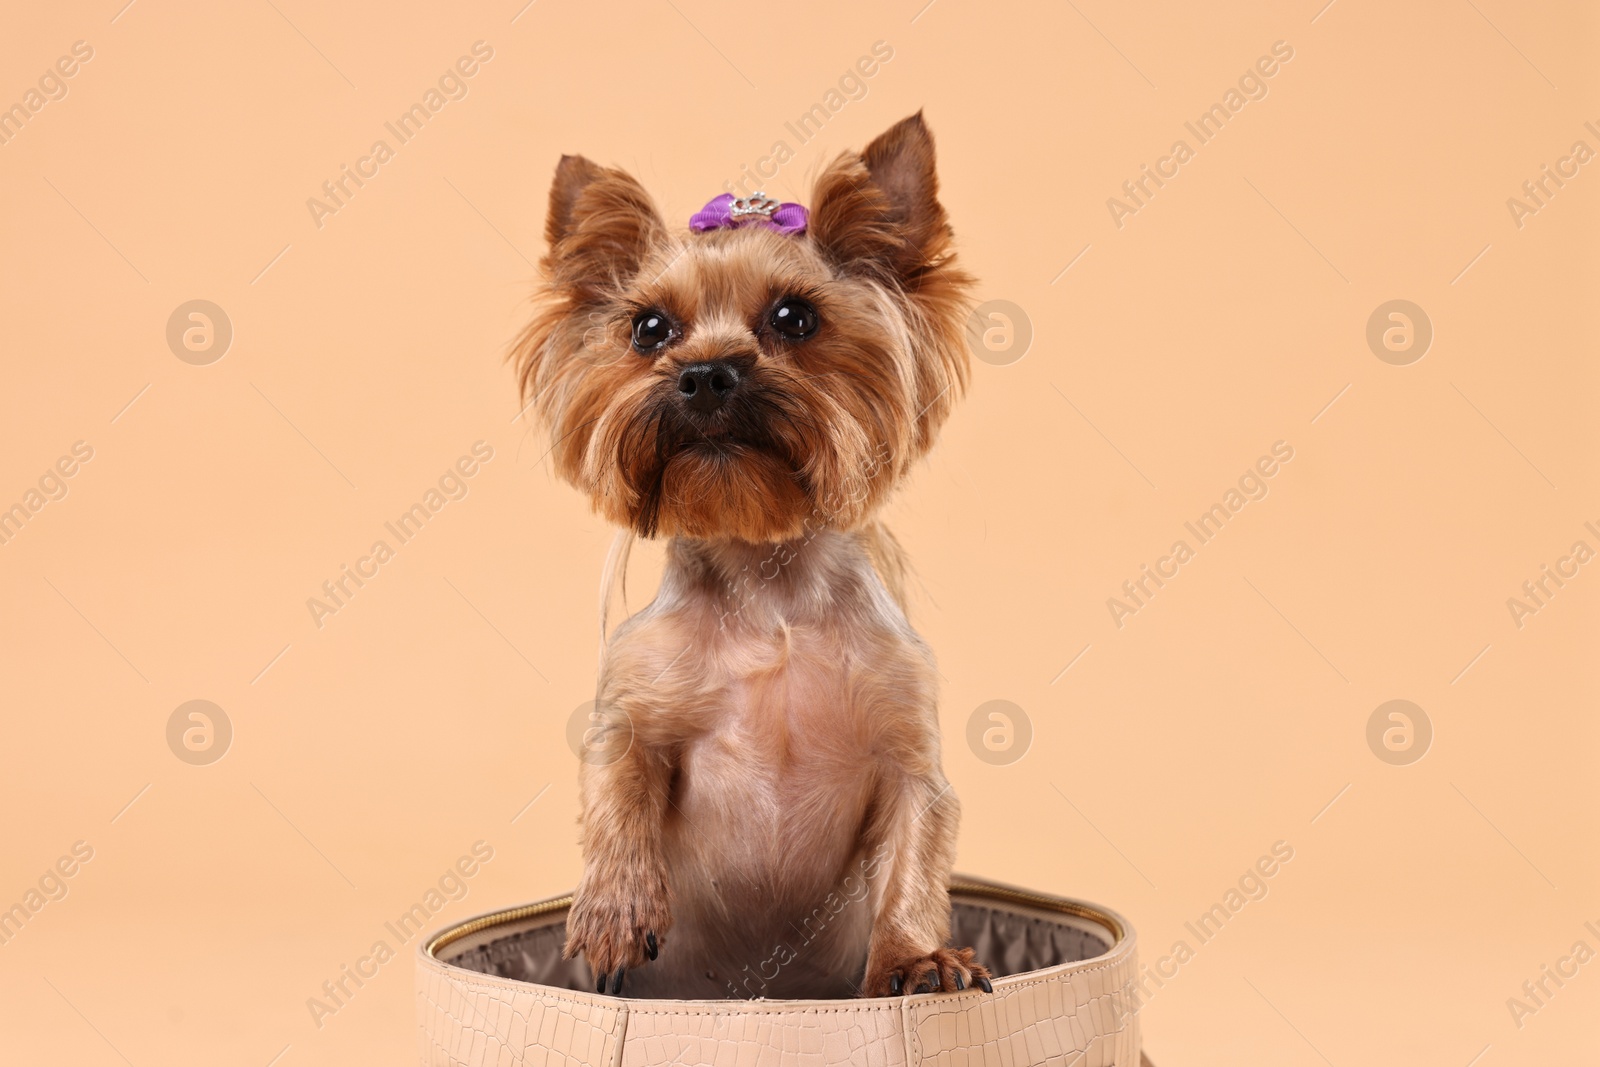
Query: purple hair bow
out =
(728, 212)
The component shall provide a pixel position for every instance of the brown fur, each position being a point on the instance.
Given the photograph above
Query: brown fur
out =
(773, 795)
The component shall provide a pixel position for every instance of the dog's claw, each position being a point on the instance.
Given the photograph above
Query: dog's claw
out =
(943, 970)
(650, 947)
(600, 986)
(616, 980)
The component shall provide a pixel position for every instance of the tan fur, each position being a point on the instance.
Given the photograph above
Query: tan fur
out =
(767, 800)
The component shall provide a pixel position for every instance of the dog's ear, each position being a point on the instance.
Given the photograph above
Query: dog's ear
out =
(600, 226)
(878, 212)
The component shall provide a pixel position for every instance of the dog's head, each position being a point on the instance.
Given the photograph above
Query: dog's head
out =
(744, 382)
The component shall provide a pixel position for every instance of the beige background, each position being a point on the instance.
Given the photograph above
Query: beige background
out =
(1227, 314)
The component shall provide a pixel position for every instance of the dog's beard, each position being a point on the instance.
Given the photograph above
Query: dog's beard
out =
(737, 474)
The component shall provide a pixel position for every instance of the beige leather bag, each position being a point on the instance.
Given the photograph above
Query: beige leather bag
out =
(494, 991)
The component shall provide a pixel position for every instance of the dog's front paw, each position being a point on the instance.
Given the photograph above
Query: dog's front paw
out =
(616, 931)
(945, 970)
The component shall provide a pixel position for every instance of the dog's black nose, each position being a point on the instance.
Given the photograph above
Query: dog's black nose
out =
(705, 387)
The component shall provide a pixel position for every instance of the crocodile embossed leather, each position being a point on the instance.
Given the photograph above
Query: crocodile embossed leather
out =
(495, 991)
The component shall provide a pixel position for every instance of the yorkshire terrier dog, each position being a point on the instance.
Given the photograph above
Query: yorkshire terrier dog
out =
(772, 819)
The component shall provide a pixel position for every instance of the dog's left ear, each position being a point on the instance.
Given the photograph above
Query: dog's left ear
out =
(878, 212)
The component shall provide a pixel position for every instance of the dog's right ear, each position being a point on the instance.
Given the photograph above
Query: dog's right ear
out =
(600, 226)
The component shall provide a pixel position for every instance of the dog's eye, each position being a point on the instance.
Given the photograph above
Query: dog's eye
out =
(651, 330)
(795, 319)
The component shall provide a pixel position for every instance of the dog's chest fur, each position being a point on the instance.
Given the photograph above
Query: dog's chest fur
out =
(780, 673)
